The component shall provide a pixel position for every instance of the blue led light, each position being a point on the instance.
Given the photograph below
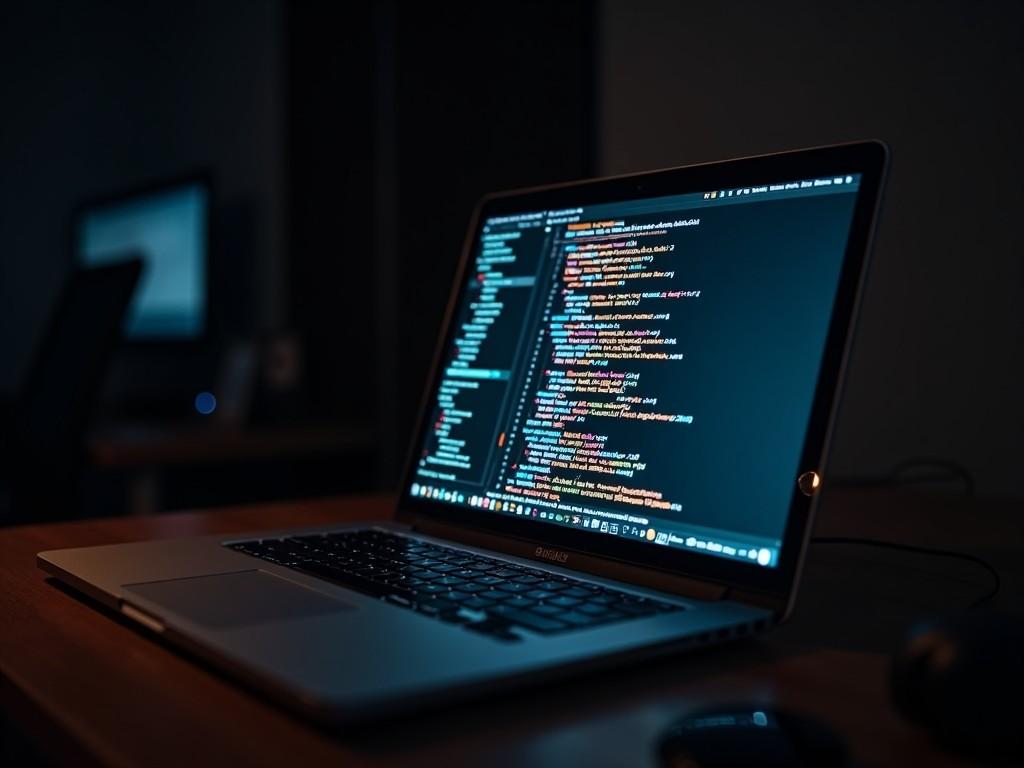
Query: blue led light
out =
(206, 403)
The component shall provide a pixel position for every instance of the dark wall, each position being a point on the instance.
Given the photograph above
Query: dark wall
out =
(332, 146)
(100, 97)
(402, 116)
(939, 364)
(488, 98)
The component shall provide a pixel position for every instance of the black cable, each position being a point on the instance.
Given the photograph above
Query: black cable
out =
(996, 581)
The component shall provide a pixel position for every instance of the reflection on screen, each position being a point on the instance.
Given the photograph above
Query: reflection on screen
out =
(642, 369)
(168, 231)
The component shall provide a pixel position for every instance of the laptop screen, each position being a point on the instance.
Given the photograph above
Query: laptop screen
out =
(642, 369)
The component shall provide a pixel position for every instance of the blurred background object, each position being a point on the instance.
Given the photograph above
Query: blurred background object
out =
(44, 449)
(297, 178)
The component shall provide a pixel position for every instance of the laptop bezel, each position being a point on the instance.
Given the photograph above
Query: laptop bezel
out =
(870, 159)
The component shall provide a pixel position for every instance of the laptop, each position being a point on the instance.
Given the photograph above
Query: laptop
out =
(618, 454)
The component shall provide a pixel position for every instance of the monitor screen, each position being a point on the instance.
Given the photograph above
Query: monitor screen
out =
(167, 229)
(642, 369)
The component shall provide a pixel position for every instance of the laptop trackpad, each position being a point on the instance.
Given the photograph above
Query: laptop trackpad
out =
(237, 599)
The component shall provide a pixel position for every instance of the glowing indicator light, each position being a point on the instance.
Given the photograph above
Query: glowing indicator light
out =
(206, 403)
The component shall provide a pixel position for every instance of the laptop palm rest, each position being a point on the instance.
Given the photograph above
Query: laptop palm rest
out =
(240, 599)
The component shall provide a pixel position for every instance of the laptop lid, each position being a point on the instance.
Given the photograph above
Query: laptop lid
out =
(642, 367)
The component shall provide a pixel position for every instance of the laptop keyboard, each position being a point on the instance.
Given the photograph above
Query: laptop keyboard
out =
(482, 594)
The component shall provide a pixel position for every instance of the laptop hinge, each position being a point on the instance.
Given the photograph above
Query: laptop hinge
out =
(603, 567)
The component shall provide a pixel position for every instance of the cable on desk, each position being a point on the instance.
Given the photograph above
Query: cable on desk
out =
(996, 581)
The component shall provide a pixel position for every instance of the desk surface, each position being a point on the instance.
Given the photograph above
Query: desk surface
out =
(92, 690)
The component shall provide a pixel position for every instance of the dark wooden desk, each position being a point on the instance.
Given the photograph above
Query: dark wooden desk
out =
(89, 689)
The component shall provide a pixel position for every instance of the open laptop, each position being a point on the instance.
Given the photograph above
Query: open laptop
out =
(618, 453)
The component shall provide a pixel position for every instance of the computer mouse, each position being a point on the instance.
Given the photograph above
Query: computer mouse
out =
(962, 679)
(750, 735)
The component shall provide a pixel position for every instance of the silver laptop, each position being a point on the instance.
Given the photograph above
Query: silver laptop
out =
(618, 453)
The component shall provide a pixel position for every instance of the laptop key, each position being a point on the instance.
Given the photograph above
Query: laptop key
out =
(476, 603)
(518, 601)
(402, 557)
(552, 610)
(576, 592)
(512, 586)
(452, 617)
(488, 580)
(563, 602)
(526, 580)
(540, 594)
(499, 609)
(439, 604)
(493, 594)
(594, 609)
(551, 586)
(449, 581)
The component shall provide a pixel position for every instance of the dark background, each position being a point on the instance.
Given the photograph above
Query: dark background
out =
(940, 357)
(348, 143)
